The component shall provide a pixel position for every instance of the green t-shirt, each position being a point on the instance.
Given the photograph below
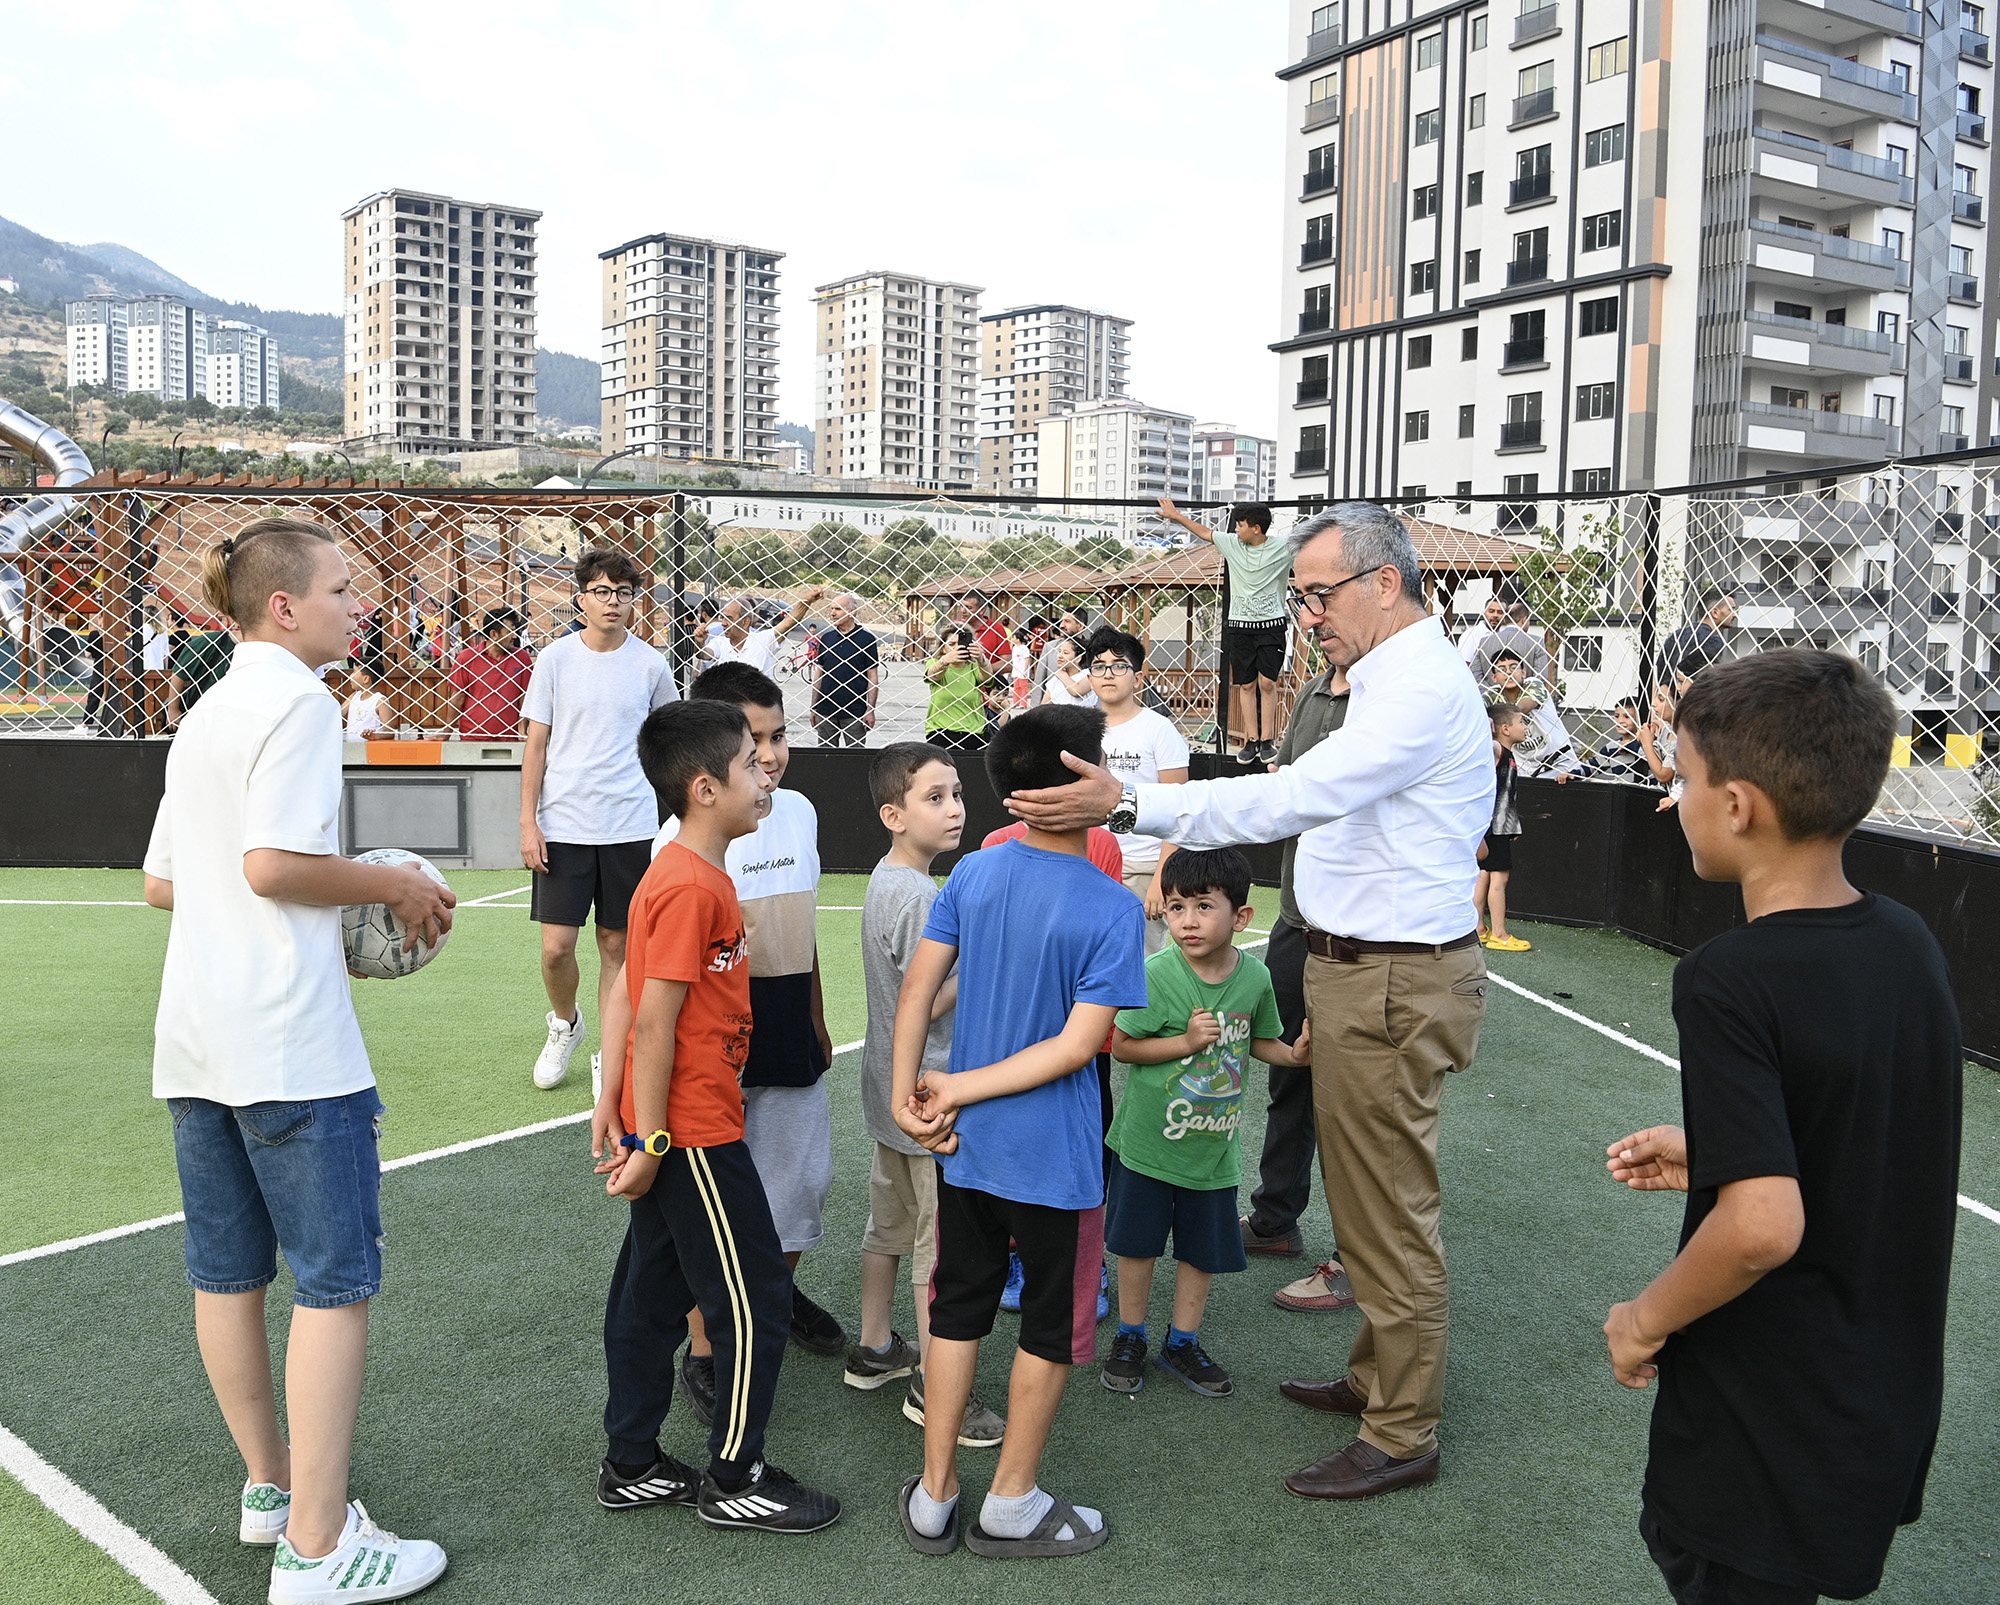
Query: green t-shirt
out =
(955, 700)
(200, 661)
(1178, 1121)
(1257, 576)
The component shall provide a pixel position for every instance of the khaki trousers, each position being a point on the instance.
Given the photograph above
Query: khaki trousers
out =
(1136, 882)
(1384, 1033)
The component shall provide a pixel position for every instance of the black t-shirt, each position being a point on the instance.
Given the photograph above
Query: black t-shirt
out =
(844, 662)
(1794, 1425)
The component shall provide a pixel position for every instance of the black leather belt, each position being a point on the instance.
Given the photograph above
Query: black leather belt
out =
(1346, 950)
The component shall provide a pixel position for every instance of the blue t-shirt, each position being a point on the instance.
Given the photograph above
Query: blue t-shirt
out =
(1036, 933)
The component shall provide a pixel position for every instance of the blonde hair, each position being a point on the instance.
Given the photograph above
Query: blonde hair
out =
(239, 575)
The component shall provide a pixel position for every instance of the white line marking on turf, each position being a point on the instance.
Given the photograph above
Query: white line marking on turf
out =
(1978, 1208)
(19, 1256)
(68, 902)
(494, 897)
(152, 1568)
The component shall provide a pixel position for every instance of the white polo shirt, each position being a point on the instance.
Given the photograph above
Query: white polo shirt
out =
(254, 1001)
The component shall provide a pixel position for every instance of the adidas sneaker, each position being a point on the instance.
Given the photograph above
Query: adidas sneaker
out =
(769, 1502)
(366, 1565)
(266, 1509)
(665, 1482)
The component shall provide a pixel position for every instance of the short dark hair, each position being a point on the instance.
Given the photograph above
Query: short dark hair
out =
(607, 562)
(742, 684)
(1254, 513)
(1499, 713)
(1036, 621)
(1207, 869)
(895, 768)
(1627, 702)
(1105, 639)
(1026, 751)
(1506, 655)
(501, 618)
(681, 740)
(1518, 612)
(1712, 594)
(1813, 731)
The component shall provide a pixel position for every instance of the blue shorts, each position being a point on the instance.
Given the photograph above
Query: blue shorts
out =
(304, 1177)
(1141, 1211)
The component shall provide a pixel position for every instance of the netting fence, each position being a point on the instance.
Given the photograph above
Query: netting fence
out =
(882, 618)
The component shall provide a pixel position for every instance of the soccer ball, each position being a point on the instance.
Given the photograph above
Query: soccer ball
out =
(374, 936)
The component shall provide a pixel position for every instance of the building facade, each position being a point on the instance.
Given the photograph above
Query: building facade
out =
(690, 361)
(95, 327)
(439, 298)
(159, 345)
(1037, 361)
(242, 365)
(1230, 466)
(896, 392)
(1123, 450)
(166, 348)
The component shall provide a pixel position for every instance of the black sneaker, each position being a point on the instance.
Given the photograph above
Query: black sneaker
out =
(665, 1482)
(813, 1329)
(869, 1369)
(1190, 1363)
(1247, 753)
(1125, 1371)
(983, 1426)
(769, 1502)
(698, 1385)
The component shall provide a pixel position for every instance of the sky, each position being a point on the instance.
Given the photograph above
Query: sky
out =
(1125, 156)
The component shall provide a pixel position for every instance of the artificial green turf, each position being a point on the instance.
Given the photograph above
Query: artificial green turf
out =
(44, 1561)
(481, 1425)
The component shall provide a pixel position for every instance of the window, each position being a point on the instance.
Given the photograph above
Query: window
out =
(1475, 108)
(1313, 374)
(1964, 179)
(1592, 482)
(1471, 267)
(1312, 449)
(1584, 654)
(1892, 242)
(1322, 169)
(1786, 396)
(1961, 259)
(1416, 426)
(1424, 201)
(1602, 145)
(1956, 338)
(1595, 401)
(1430, 127)
(1602, 230)
(1885, 409)
(1324, 88)
(1468, 344)
(1889, 323)
(1325, 18)
(1423, 277)
(1475, 188)
(1316, 312)
(1420, 351)
(1608, 59)
(1465, 489)
(1898, 156)
(1466, 414)
(1536, 79)
(1416, 493)
(1953, 420)
(1900, 71)
(1478, 32)
(1430, 51)
(1968, 99)
(1531, 256)
(1792, 309)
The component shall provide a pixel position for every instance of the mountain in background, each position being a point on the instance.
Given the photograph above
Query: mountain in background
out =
(566, 389)
(798, 434)
(142, 270)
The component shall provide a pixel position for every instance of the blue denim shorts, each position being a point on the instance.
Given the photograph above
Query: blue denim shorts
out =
(304, 1177)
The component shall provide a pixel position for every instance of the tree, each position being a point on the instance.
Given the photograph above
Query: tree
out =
(1563, 585)
(757, 562)
(142, 406)
(833, 545)
(1102, 551)
(200, 407)
(721, 479)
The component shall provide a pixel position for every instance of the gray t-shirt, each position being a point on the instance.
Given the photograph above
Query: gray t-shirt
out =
(593, 791)
(892, 923)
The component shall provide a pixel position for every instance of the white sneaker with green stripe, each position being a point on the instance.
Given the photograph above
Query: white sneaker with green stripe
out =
(367, 1564)
(266, 1508)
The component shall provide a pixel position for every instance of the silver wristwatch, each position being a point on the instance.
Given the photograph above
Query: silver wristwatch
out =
(1125, 817)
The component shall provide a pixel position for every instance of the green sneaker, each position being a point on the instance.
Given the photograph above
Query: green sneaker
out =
(266, 1509)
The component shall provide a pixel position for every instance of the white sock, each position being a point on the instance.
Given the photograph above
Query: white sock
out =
(930, 1516)
(1019, 1516)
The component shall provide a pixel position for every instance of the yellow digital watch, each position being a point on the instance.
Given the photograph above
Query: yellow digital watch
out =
(656, 1145)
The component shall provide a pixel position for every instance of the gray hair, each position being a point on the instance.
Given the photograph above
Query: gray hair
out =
(1371, 537)
(848, 597)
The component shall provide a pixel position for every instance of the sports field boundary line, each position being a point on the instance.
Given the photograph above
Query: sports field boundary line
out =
(70, 1245)
(73, 1505)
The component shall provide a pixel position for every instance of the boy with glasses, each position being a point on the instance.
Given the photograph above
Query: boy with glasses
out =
(588, 813)
(1140, 746)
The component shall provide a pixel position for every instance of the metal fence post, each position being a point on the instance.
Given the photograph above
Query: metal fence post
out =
(1648, 595)
(678, 650)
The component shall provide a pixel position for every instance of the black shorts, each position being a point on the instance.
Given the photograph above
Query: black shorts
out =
(1144, 1210)
(1062, 1258)
(1255, 651)
(1499, 859)
(582, 878)
(1696, 1580)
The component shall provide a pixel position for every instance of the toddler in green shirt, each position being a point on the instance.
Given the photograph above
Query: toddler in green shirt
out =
(1175, 1160)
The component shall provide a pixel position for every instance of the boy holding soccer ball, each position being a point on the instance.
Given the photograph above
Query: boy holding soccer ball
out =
(259, 1056)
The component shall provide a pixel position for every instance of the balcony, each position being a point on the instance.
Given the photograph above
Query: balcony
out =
(1315, 251)
(1322, 111)
(1325, 41)
(1791, 165)
(1314, 322)
(1309, 462)
(1802, 346)
(1975, 47)
(1837, 523)
(1537, 108)
(1943, 605)
(1522, 434)
(1312, 390)
(1972, 126)
(1527, 269)
(1534, 187)
(1524, 353)
(1320, 180)
(1967, 208)
(1954, 442)
(1958, 369)
(1783, 254)
(1963, 288)
(1537, 24)
(1816, 87)
(1802, 432)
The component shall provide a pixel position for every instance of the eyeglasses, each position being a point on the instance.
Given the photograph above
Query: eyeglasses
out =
(1300, 603)
(1111, 671)
(607, 593)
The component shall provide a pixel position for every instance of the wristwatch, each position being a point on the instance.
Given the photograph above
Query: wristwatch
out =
(1125, 817)
(656, 1145)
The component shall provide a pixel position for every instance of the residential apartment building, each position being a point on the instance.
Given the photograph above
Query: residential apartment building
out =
(1121, 449)
(166, 348)
(690, 362)
(897, 386)
(439, 297)
(242, 365)
(1037, 361)
(95, 327)
(1230, 466)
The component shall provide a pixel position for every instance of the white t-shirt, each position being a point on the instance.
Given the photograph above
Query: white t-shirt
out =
(365, 713)
(1136, 751)
(153, 653)
(1023, 660)
(593, 790)
(1061, 695)
(254, 1000)
(759, 650)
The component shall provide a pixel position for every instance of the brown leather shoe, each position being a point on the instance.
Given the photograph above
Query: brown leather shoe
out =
(1361, 1471)
(1336, 1398)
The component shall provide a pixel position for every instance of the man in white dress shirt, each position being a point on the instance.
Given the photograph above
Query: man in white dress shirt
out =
(1389, 811)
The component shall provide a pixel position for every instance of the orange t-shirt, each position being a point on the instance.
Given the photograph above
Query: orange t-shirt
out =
(685, 925)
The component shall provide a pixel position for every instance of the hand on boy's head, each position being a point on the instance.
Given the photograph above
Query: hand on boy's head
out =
(1081, 803)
